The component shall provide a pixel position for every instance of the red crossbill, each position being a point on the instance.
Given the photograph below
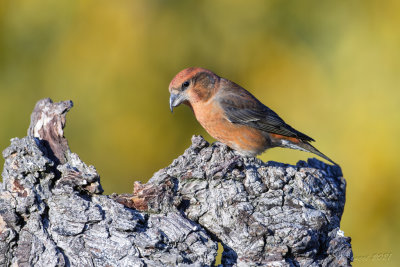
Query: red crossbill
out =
(233, 116)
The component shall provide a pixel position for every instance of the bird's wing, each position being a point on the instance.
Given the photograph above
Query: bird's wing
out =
(243, 108)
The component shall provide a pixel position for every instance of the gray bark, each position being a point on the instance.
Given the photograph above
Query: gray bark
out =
(53, 213)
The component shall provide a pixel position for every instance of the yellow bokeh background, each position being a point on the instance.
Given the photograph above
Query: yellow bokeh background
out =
(330, 69)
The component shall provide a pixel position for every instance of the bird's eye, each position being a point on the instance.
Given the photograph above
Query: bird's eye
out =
(185, 85)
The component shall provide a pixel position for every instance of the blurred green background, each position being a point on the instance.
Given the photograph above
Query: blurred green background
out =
(330, 69)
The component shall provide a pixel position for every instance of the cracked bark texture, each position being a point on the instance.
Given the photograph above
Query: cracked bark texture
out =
(53, 213)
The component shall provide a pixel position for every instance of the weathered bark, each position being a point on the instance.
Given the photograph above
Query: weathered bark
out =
(52, 212)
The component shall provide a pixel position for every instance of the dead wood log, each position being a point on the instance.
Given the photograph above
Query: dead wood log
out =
(53, 213)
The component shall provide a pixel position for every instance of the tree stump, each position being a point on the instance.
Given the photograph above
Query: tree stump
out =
(53, 212)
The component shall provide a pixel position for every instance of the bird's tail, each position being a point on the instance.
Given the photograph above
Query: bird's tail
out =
(305, 146)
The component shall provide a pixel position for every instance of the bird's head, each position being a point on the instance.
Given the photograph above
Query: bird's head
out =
(192, 85)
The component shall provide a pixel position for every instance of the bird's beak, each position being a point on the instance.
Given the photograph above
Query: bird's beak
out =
(175, 100)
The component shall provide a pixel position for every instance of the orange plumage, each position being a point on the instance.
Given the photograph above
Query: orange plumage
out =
(232, 115)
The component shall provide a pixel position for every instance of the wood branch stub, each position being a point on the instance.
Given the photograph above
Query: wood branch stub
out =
(47, 123)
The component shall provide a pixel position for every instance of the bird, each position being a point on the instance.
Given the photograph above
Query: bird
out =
(233, 116)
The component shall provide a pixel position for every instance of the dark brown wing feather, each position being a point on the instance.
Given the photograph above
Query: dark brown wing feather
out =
(243, 108)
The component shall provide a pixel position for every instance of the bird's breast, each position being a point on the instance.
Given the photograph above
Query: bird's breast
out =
(246, 140)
